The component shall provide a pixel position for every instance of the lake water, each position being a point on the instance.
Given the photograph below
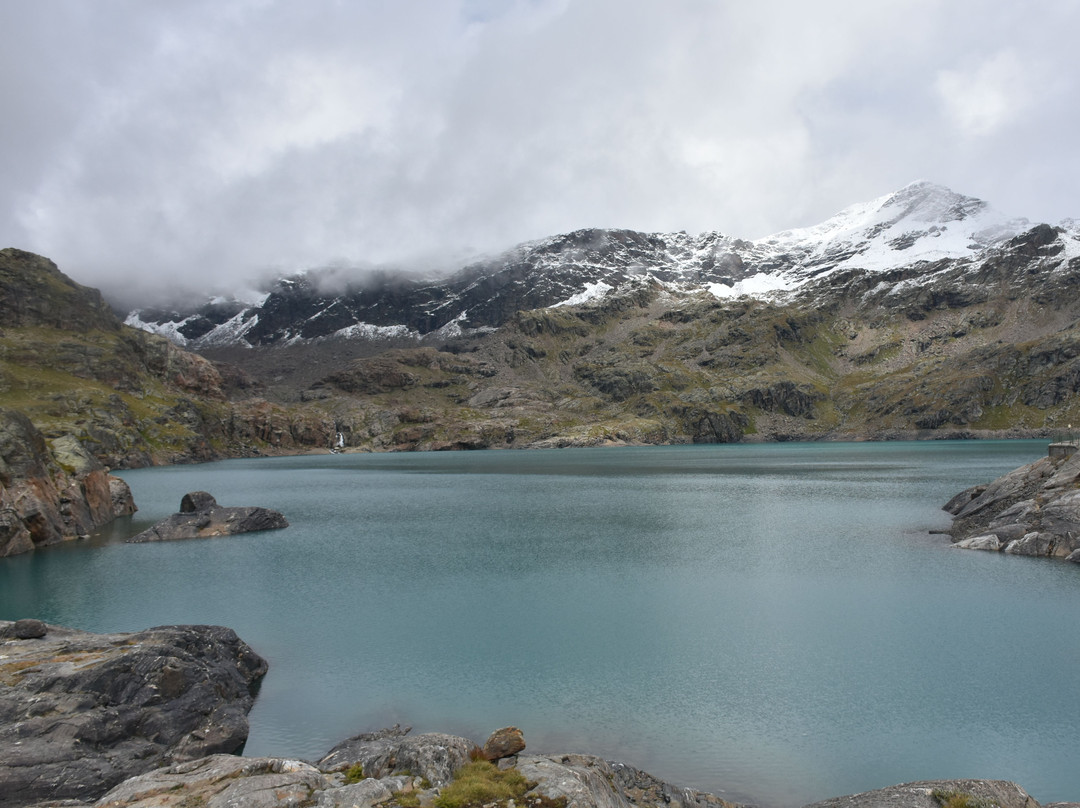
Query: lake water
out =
(772, 623)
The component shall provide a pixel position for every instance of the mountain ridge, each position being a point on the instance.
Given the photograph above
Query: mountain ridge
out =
(919, 225)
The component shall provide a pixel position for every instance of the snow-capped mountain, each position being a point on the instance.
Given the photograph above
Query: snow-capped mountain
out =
(927, 230)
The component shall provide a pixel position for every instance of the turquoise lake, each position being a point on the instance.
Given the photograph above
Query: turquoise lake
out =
(773, 623)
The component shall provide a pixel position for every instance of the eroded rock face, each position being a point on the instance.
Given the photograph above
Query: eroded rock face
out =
(1033, 510)
(81, 712)
(200, 517)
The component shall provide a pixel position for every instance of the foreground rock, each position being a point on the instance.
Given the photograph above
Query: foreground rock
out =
(1033, 510)
(201, 517)
(396, 769)
(51, 491)
(390, 769)
(81, 712)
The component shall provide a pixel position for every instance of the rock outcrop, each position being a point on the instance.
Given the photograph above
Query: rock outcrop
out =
(82, 712)
(51, 493)
(938, 793)
(1033, 510)
(432, 756)
(201, 517)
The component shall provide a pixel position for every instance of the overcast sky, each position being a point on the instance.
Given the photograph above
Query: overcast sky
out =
(206, 142)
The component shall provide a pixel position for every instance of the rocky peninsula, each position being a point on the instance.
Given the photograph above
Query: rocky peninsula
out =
(1033, 510)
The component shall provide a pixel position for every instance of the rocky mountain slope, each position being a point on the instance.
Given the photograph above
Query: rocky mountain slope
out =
(920, 314)
(916, 229)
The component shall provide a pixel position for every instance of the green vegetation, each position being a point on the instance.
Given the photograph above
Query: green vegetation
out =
(354, 774)
(960, 799)
(406, 799)
(480, 783)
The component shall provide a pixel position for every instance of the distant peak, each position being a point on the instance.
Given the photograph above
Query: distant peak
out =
(929, 202)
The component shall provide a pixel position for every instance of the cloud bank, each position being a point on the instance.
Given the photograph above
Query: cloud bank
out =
(150, 144)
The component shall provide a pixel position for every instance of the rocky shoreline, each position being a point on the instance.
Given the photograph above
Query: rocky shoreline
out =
(157, 718)
(1033, 511)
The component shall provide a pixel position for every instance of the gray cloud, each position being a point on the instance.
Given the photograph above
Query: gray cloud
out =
(149, 143)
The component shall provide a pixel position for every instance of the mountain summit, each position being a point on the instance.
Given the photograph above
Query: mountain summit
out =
(920, 226)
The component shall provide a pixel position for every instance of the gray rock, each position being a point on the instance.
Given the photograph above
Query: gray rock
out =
(222, 781)
(29, 629)
(201, 517)
(195, 501)
(364, 794)
(1042, 544)
(591, 782)
(1000, 793)
(81, 712)
(988, 542)
(434, 756)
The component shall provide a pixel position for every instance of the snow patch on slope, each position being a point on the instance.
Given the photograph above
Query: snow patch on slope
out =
(376, 332)
(591, 293)
(169, 330)
(760, 285)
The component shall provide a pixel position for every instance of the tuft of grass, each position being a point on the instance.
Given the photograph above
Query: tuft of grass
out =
(480, 783)
(960, 799)
(354, 774)
(406, 799)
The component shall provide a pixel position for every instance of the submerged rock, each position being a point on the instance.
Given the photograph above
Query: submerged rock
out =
(201, 517)
(81, 712)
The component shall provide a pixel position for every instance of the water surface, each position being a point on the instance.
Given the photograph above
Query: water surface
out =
(772, 623)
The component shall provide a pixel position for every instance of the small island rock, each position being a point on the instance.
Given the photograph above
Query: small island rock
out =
(201, 517)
